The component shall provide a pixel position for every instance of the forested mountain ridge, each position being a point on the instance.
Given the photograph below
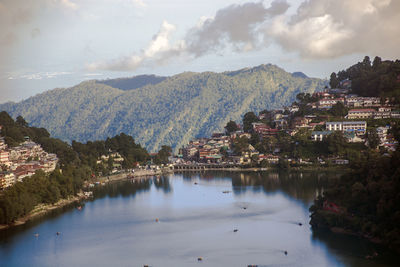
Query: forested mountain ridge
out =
(133, 82)
(170, 112)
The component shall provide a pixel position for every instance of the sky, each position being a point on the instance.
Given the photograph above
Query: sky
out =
(46, 44)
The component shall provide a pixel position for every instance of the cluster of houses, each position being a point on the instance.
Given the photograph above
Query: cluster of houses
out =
(116, 158)
(219, 148)
(359, 107)
(17, 163)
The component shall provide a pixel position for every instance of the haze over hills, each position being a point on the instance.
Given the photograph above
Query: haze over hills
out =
(161, 110)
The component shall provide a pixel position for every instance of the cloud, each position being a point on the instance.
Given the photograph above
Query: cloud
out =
(331, 28)
(140, 3)
(316, 30)
(68, 4)
(35, 33)
(39, 75)
(158, 50)
(235, 25)
(8, 39)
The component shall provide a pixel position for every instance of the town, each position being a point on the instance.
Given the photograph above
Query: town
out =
(326, 128)
(364, 121)
(17, 163)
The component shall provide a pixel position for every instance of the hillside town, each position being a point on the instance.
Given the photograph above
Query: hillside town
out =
(17, 163)
(311, 116)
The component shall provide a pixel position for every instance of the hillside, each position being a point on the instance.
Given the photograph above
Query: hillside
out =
(133, 82)
(169, 112)
(379, 78)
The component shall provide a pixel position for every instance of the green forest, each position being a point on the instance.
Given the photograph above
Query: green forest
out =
(380, 78)
(161, 110)
(368, 198)
(77, 164)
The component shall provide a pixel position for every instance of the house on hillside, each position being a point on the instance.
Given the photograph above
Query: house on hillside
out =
(319, 135)
(360, 113)
(359, 127)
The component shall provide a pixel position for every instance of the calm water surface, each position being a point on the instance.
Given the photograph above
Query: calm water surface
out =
(197, 214)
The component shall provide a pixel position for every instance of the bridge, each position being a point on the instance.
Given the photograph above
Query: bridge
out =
(205, 166)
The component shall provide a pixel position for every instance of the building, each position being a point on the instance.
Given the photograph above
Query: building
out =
(357, 126)
(4, 157)
(327, 102)
(319, 135)
(383, 113)
(334, 126)
(361, 113)
(7, 179)
(359, 101)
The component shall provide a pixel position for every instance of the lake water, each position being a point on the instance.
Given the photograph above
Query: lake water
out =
(197, 214)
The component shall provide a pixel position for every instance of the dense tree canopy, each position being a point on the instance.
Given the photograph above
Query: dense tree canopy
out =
(77, 164)
(168, 111)
(381, 78)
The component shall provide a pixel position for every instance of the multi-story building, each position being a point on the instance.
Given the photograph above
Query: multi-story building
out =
(327, 102)
(358, 126)
(319, 135)
(7, 179)
(4, 157)
(383, 113)
(360, 113)
(359, 101)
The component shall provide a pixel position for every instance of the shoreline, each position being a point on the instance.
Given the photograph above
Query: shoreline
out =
(43, 209)
(258, 169)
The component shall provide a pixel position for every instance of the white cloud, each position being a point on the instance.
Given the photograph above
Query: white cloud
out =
(235, 25)
(158, 50)
(38, 75)
(68, 4)
(140, 3)
(331, 28)
(318, 29)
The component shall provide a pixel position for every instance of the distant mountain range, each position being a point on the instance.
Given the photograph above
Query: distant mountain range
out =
(161, 110)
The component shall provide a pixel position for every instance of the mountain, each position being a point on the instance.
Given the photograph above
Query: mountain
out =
(167, 111)
(299, 74)
(133, 82)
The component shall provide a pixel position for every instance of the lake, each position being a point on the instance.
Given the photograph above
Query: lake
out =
(224, 218)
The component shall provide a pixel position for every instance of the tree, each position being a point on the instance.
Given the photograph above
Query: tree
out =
(303, 136)
(395, 131)
(269, 143)
(339, 110)
(231, 127)
(376, 63)
(248, 119)
(254, 139)
(336, 143)
(162, 155)
(21, 121)
(366, 62)
(334, 81)
(5, 119)
(372, 138)
(240, 145)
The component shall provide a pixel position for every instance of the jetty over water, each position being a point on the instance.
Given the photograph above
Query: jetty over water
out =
(206, 166)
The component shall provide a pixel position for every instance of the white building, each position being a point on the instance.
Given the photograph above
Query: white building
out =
(7, 179)
(319, 135)
(361, 113)
(334, 126)
(358, 126)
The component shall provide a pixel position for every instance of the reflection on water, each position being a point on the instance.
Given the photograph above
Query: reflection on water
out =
(228, 219)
